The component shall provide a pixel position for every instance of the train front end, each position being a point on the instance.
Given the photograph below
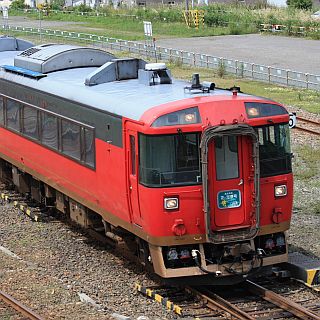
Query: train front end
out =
(215, 186)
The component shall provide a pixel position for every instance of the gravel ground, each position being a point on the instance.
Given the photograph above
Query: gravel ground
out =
(57, 262)
(306, 210)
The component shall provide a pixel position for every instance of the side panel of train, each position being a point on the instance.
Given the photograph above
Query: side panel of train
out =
(84, 162)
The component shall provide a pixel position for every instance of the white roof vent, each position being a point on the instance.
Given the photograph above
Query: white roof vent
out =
(53, 57)
(155, 66)
(154, 73)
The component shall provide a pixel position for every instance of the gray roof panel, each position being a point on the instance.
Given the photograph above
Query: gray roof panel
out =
(52, 57)
(127, 98)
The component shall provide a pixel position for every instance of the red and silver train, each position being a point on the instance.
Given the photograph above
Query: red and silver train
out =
(195, 179)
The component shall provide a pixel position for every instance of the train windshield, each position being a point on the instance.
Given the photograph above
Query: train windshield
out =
(169, 160)
(274, 150)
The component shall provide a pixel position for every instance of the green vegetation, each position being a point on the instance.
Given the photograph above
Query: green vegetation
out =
(17, 4)
(307, 166)
(300, 4)
(219, 19)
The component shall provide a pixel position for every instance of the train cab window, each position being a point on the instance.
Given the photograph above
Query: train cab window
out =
(13, 115)
(226, 155)
(1, 111)
(70, 135)
(169, 160)
(274, 150)
(49, 130)
(30, 122)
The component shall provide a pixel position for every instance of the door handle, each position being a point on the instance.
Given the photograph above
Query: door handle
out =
(241, 182)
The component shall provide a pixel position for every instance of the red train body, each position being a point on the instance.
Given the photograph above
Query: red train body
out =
(196, 180)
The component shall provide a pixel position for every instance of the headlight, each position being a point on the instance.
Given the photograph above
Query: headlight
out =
(171, 203)
(280, 191)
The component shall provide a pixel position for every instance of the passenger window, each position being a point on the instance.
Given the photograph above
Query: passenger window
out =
(30, 122)
(133, 155)
(13, 115)
(1, 111)
(70, 136)
(49, 130)
(226, 152)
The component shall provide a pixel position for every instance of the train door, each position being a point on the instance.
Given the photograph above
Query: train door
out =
(226, 171)
(132, 169)
(230, 164)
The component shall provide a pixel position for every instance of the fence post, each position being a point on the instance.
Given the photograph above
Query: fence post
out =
(207, 61)
(236, 64)
(269, 74)
(307, 80)
(287, 72)
(194, 59)
(159, 50)
(252, 70)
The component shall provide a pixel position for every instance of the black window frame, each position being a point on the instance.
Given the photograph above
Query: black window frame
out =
(271, 166)
(143, 180)
(83, 159)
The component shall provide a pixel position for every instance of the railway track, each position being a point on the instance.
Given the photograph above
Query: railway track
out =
(249, 301)
(10, 308)
(308, 125)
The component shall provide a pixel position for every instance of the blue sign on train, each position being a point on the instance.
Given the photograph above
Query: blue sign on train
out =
(229, 199)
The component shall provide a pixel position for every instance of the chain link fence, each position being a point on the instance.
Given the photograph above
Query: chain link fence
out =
(239, 68)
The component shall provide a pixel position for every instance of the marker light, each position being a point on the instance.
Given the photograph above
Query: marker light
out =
(280, 191)
(280, 241)
(185, 116)
(259, 110)
(172, 254)
(185, 254)
(269, 245)
(252, 112)
(190, 117)
(171, 203)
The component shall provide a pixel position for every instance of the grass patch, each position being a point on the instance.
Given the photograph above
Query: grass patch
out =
(219, 19)
(306, 162)
(132, 29)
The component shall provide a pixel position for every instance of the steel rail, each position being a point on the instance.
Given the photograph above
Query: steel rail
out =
(18, 306)
(212, 299)
(307, 130)
(290, 306)
(308, 120)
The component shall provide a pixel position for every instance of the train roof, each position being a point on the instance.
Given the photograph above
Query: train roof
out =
(125, 98)
(13, 44)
